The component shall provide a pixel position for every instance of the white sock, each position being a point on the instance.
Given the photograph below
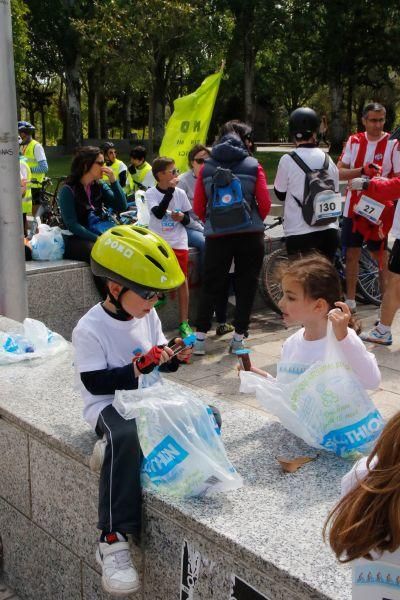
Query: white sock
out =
(200, 336)
(383, 328)
(238, 336)
(351, 303)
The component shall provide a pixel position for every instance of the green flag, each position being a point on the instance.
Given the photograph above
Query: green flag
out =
(189, 123)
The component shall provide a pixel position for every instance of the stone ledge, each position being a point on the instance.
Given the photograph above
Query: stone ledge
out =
(268, 533)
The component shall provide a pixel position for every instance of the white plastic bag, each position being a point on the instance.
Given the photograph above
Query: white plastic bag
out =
(326, 406)
(183, 452)
(36, 341)
(48, 243)
(143, 214)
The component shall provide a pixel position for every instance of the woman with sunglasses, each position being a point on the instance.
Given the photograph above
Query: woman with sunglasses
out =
(85, 193)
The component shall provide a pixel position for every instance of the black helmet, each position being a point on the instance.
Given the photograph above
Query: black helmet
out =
(303, 122)
(107, 146)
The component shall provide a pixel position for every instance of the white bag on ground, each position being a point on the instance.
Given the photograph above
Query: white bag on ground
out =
(143, 214)
(182, 447)
(326, 406)
(36, 341)
(48, 243)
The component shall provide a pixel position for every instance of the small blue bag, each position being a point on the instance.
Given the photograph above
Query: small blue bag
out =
(99, 224)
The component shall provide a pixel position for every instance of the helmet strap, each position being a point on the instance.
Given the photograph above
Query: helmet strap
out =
(121, 312)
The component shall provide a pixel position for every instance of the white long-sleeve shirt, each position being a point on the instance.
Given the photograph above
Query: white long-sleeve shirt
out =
(300, 354)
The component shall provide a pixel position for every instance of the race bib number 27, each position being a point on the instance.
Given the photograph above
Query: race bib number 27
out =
(369, 209)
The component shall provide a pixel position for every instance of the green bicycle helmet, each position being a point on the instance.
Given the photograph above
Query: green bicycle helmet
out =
(136, 257)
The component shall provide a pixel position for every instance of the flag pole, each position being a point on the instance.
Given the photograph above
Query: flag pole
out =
(13, 289)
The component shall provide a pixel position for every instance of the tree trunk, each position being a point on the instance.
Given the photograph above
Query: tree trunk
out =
(43, 118)
(337, 130)
(93, 117)
(126, 114)
(349, 106)
(103, 116)
(150, 147)
(249, 67)
(74, 117)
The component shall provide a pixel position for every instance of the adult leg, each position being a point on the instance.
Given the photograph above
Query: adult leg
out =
(248, 255)
(120, 498)
(217, 261)
(183, 299)
(391, 299)
(382, 259)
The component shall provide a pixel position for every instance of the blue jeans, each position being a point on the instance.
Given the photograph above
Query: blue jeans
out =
(197, 240)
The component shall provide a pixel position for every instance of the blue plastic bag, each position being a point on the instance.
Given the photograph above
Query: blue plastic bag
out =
(181, 442)
(48, 243)
(326, 406)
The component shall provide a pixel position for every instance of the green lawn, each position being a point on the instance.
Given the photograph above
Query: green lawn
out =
(60, 166)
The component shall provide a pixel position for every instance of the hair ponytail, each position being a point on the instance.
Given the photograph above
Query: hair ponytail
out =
(367, 519)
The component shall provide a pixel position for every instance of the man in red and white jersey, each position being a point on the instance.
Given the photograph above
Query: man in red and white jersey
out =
(368, 153)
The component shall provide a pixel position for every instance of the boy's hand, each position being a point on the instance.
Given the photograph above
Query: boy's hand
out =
(156, 356)
(177, 215)
(340, 318)
(185, 354)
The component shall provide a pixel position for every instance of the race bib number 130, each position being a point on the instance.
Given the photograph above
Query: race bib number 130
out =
(328, 204)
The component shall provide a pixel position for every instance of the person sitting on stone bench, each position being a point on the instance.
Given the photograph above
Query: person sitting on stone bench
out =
(116, 343)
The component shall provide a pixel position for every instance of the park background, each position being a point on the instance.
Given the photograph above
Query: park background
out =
(111, 69)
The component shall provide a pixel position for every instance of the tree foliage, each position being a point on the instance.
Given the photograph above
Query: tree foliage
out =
(121, 64)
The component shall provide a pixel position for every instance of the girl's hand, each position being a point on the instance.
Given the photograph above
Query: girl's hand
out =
(186, 353)
(340, 320)
(109, 172)
(253, 370)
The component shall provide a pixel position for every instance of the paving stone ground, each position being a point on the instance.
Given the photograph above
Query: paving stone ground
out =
(6, 593)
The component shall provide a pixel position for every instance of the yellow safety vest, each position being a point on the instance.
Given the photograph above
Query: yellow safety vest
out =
(138, 177)
(28, 152)
(27, 196)
(115, 169)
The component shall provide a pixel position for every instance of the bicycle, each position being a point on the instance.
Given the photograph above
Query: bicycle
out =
(49, 210)
(368, 286)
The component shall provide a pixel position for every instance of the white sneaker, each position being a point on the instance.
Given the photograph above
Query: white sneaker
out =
(236, 345)
(97, 458)
(199, 347)
(120, 577)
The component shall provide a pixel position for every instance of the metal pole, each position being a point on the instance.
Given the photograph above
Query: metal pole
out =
(13, 288)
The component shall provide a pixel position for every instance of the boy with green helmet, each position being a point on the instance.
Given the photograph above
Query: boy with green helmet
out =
(118, 345)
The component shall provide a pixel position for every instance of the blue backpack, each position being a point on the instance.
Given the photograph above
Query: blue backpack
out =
(228, 209)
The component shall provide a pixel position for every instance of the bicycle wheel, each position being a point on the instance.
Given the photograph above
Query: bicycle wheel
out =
(368, 285)
(270, 283)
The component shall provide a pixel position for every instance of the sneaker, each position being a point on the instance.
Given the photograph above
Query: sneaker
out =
(236, 345)
(374, 336)
(97, 458)
(199, 347)
(161, 302)
(120, 577)
(224, 328)
(185, 329)
(352, 306)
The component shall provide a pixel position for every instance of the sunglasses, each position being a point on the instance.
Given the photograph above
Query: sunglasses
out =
(199, 161)
(149, 294)
(173, 171)
(100, 162)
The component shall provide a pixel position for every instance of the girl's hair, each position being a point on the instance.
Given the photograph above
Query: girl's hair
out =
(83, 160)
(367, 519)
(317, 276)
(195, 150)
(319, 279)
(237, 127)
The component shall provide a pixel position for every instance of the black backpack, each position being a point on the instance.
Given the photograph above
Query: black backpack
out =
(228, 209)
(321, 205)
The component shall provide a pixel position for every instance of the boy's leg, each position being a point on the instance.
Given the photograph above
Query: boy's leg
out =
(120, 497)
(183, 298)
(119, 502)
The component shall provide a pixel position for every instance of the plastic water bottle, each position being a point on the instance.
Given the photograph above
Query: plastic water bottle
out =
(143, 215)
(16, 344)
